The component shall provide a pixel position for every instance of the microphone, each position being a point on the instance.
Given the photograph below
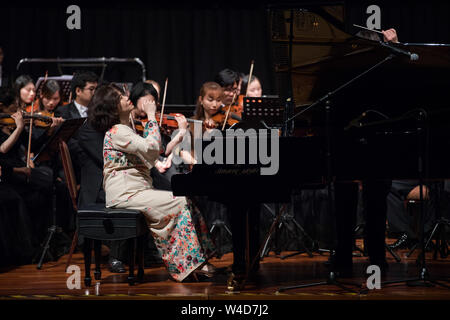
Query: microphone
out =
(412, 56)
(356, 122)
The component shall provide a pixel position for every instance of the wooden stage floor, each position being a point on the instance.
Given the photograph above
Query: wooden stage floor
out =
(26, 282)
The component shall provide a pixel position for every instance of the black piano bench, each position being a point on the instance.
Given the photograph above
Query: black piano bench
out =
(97, 223)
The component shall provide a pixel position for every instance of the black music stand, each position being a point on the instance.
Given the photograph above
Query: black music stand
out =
(266, 112)
(47, 152)
(63, 81)
(269, 113)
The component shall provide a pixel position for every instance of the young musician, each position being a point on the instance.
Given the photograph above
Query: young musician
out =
(229, 80)
(254, 88)
(25, 92)
(127, 183)
(50, 97)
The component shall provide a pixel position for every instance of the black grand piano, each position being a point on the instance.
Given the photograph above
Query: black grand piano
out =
(392, 123)
(375, 121)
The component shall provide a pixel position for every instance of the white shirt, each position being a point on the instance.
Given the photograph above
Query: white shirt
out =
(81, 109)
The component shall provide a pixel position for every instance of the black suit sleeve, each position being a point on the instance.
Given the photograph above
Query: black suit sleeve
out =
(91, 142)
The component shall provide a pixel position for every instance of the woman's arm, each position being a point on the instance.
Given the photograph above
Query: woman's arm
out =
(123, 138)
(12, 139)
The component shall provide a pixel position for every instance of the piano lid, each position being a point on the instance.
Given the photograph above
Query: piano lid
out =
(325, 57)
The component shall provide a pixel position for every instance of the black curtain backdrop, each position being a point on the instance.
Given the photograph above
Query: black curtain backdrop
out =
(187, 45)
(186, 42)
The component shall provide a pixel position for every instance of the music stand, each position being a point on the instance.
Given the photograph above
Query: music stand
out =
(268, 111)
(48, 152)
(63, 81)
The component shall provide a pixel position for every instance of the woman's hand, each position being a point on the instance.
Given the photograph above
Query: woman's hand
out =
(149, 107)
(163, 166)
(23, 170)
(18, 119)
(182, 122)
(56, 122)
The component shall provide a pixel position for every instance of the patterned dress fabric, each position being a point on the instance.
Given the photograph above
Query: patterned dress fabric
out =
(128, 159)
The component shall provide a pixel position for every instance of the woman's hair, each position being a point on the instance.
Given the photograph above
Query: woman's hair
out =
(48, 89)
(103, 110)
(141, 89)
(207, 86)
(155, 85)
(245, 82)
(20, 82)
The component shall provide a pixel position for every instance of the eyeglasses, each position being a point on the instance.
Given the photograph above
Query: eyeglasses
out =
(231, 89)
(92, 89)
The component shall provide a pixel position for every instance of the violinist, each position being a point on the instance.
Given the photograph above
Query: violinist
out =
(24, 91)
(229, 80)
(209, 103)
(254, 87)
(18, 241)
(49, 99)
(34, 185)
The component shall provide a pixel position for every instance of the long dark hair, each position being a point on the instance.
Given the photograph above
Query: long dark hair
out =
(20, 82)
(103, 110)
(141, 89)
(48, 89)
(245, 82)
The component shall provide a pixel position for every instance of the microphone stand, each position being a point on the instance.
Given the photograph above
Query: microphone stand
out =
(331, 280)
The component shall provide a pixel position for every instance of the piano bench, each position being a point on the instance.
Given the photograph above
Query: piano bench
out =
(97, 223)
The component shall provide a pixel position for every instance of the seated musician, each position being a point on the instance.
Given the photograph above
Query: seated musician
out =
(229, 80)
(254, 87)
(127, 183)
(24, 91)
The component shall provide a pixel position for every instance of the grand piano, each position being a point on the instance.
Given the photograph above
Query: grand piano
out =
(376, 122)
(392, 123)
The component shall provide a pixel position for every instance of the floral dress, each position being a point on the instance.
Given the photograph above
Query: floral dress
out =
(128, 159)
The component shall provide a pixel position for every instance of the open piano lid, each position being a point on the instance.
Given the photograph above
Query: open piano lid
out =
(325, 57)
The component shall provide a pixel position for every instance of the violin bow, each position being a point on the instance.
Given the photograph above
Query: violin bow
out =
(30, 133)
(163, 103)
(229, 107)
(249, 77)
(228, 110)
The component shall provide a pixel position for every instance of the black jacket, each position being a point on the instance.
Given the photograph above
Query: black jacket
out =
(69, 111)
(91, 165)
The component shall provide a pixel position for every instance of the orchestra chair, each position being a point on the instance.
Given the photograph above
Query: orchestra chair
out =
(71, 183)
(97, 223)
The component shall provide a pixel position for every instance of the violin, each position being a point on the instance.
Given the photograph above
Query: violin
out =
(168, 121)
(233, 117)
(40, 119)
